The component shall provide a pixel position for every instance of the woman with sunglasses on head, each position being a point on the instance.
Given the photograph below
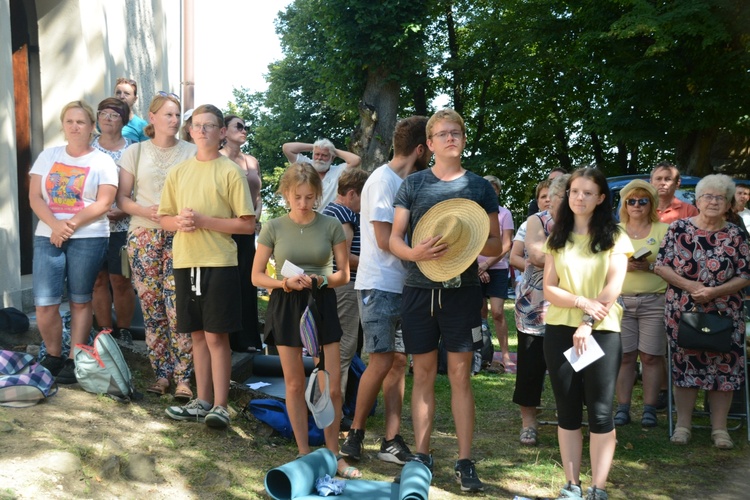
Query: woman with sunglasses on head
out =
(584, 268)
(248, 339)
(143, 171)
(643, 333)
(112, 115)
(705, 261)
(71, 187)
(126, 90)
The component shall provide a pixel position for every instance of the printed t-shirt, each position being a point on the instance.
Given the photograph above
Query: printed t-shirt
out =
(70, 184)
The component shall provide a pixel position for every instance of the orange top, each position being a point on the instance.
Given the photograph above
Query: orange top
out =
(678, 209)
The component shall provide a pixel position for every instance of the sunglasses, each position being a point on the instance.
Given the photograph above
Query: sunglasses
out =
(168, 94)
(640, 201)
(240, 126)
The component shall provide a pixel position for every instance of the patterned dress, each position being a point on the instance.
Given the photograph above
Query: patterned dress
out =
(713, 258)
(530, 304)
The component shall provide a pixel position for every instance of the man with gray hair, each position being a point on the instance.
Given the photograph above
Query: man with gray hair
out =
(323, 153)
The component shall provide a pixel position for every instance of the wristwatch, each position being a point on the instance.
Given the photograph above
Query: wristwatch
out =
(323, 283)
(587, 320)
(651, 266)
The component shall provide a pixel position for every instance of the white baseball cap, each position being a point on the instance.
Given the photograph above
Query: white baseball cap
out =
(318, 401)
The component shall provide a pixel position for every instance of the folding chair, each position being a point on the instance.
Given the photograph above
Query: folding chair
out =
(739, 416)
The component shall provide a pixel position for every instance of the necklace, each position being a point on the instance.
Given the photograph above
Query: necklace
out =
(304, 226)
(638, 235)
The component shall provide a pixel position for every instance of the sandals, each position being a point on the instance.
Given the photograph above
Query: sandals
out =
(722, 440)
(183, 392)
(682, 436)
(349, 472)
(649, 417)
(622, 417)
(159, 387)
(528, 436)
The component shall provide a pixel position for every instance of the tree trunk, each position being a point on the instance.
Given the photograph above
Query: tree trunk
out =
(458, 102)
(377, 112)
(694, 152)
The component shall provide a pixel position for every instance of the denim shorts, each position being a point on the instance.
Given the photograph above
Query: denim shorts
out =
(380, 313)
(78, 260)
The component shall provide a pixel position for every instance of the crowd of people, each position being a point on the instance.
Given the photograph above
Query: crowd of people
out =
(399, 263)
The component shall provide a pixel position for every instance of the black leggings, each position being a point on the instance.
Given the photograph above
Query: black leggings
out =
(594, 385)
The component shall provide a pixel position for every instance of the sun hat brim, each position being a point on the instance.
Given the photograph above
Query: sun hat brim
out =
(462, 221)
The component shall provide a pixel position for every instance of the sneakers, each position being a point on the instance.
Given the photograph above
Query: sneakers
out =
(466, 474)
(217, 418)
(423, 459)
(67, 374)
(194, 410)
(352, 446)
(594, 493)
(52, 363)
(125, 336)
(394, 451)
(571, 491)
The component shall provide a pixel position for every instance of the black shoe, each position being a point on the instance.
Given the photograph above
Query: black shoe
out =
(661, 401)
(394, 451)
(466, 474)
(124, 336)
(52, 363)
(423, 459)
(352, 446)
(67, 374)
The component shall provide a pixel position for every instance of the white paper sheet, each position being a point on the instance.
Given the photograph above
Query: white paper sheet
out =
(592, 353)
(290, 270)
(257, 385)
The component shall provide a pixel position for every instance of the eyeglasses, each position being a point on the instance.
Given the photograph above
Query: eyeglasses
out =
(240, 126)
(109, 116)
(640, 201)
(205, 127)
(168, 94)
(456, 134)
(574, 193)
(711, 197)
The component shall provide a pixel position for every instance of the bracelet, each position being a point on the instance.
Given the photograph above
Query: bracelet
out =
(577, 302)
(284, 286)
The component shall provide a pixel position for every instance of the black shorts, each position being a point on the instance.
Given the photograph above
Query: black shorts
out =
(498, 284)
(218, 308)
(285, 310)
(530, 370)
(451, 313)
(112, 263)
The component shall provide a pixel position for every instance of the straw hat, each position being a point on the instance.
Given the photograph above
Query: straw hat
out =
(639, 184)
(464, 226)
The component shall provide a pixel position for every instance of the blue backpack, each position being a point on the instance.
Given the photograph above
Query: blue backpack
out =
(273, 413)
(23, 382)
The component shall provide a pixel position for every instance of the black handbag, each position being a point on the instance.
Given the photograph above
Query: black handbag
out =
(702, 331)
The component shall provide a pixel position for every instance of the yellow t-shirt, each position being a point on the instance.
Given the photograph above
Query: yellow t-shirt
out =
(584, 273)
(217, 188)
(646, 281)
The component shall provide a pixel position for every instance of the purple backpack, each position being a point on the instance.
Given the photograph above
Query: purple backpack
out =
(23, 382)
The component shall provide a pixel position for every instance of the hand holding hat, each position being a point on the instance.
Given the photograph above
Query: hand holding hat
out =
(457, 230)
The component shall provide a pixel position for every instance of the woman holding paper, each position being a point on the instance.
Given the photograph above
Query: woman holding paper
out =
(643, 334)
(304, 242)
(584, 268)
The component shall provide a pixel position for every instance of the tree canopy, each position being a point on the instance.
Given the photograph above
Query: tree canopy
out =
(541, 83)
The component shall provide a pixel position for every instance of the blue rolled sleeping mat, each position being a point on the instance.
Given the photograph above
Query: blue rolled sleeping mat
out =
(296, 480)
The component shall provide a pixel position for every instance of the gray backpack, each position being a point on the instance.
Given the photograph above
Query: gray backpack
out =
(102, 369)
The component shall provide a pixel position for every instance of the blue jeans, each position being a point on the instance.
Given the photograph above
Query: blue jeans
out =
(78, 259)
